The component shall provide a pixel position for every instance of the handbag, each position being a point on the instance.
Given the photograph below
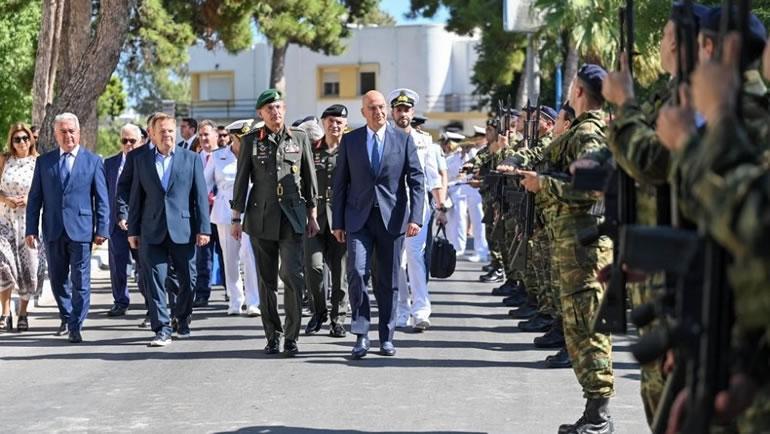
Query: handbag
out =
(443, 257)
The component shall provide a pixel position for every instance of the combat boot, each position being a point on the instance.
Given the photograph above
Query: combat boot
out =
(559, 360)
(507, 289)
(537, 324)
(553, 338)
(596, 419)
(526, 311)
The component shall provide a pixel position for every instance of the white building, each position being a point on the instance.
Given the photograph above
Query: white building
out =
(426, 58)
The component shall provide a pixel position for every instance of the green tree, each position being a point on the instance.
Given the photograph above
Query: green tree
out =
(113, 101)
(19, 25)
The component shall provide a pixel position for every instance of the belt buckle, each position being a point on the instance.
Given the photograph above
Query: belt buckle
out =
(279, 190)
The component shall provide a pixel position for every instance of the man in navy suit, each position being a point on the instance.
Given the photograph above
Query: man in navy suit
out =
(120, 252)
(167, 216)
(377, 167)
(69, 186)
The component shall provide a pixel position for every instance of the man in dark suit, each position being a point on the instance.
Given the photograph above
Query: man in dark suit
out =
(130, 137)
(375, 165)
(188, 129)
(69, 186)
(168, 216)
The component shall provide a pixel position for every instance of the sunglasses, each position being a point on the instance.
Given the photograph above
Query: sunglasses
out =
(127, 141)
(20, 139)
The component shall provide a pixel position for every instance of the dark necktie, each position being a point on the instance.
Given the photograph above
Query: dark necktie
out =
(64, 170)
(375, 154)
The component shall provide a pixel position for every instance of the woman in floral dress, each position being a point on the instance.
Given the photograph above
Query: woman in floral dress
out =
(18, 263)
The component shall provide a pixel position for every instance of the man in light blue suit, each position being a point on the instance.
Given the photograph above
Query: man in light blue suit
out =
(69, 187)
(378, 177)
(168, 214)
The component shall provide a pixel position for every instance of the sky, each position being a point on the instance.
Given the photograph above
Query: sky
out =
(397, 8)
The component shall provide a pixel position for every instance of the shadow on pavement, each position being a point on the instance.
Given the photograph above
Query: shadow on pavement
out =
(299, 430)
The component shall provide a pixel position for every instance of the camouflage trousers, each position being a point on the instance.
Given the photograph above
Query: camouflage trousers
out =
(581, 295)
(553, 296)
(756, 419)
(514, 267)
(652, 379)
(539, 269)
(494, 237)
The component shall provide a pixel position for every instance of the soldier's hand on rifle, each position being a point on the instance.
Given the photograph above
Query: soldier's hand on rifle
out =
(583, 163)
(531, 181)
(504, 168)
(618, 87)
(501, 143)
(728, 404)
(676, 124)
(712, 100)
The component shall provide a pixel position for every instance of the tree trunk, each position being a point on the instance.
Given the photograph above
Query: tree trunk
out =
(277, 75)
(89, 70)
(570, 65)
(46, 61)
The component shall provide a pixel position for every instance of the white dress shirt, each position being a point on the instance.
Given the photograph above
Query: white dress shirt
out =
(70, 158)
(220, 171)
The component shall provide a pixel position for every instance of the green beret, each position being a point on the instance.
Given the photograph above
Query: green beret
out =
(269, 96)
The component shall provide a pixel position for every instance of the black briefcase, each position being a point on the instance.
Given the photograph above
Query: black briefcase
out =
(443, 257)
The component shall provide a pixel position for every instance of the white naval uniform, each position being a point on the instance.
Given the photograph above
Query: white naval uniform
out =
(413, 260)
(466, 201)
(220, 171)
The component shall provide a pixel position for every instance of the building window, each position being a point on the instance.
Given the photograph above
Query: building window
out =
(213, 86)
(331, 84)
(367, 81)
(220, 88)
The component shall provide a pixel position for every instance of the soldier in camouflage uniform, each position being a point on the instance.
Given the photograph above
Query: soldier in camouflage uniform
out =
(638, 150)
(568, 212)
(480, 165)
(727, 176)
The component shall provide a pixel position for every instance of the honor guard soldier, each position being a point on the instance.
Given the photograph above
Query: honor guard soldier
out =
(324, 248)
(281, 207)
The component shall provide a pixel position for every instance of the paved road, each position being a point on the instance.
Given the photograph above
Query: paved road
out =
(472, 372)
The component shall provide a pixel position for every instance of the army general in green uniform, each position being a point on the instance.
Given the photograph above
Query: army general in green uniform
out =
(280, 208)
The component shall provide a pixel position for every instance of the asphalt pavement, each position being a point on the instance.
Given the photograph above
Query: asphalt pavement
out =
(471, 372)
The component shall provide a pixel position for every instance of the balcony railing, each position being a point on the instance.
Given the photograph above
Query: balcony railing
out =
(244, 108)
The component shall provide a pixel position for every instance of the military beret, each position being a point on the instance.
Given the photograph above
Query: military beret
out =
(335, 110)
(698, 13)
(479, 131)
(269, 96)
(515, 113)
(418, 120)
(239, 127)
(303, 120)
(403, 96)
(757, 33)
(548, 112)
(593, 76)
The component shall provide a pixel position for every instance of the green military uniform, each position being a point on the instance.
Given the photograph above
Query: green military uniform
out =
(638, 151)
(279, 164)
(324, 248)
(482, 163)
(568, 212)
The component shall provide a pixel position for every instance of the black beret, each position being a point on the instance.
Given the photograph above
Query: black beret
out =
(418, 120)
(336, 110)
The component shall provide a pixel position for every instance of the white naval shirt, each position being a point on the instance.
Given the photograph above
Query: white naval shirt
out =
(220, 171)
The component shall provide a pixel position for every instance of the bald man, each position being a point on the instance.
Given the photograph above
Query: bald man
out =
(377, 167)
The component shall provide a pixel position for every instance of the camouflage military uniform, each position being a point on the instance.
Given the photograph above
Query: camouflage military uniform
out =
(482, 164)
(728, 178)
(637, 149)
(567, 212)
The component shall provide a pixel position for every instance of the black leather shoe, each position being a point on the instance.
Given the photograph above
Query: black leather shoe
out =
(526, 311)
(553, 338)
(200, 302)
(487, 268)
(559, 360)
(75, 337)
(505, 290)
(117, 310)
(387, 349)
(361, 347)
(315, 323)
(493, 276)
(63, 329)
(273, 346)
(290, 348)
(515, 300)
(538, 324)
(337, 330)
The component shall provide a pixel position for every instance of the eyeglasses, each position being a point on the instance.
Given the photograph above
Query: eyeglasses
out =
(19, 139)
(127, 141)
